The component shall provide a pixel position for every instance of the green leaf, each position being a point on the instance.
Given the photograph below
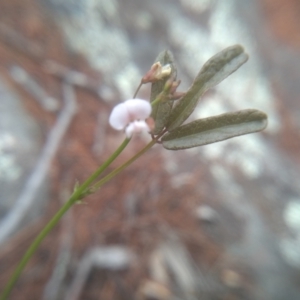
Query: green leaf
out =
(213, 72)
(215, 129)
(161, 111)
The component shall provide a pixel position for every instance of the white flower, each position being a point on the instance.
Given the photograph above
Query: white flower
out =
(130, 115)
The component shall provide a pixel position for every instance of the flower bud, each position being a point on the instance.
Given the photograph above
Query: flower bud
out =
(157, 72)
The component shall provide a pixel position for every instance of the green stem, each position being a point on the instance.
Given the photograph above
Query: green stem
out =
(81, 190)
(98, 184)
(35, 244)
(103, 167)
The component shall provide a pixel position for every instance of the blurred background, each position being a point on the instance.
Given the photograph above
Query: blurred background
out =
(216, 222)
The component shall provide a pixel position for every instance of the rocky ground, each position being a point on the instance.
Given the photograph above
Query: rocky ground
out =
(216, 222)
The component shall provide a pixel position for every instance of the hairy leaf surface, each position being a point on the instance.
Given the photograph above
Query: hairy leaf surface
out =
(213, 72)
(215, 129)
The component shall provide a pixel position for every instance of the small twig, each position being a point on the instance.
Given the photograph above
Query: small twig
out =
(72, 77)
(19, 42)
(53, 286)
(108, 258)
(188, 275)
(28, 83)
(11, 221)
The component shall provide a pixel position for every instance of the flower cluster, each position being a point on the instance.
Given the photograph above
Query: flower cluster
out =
(169, 127)
(131, 115)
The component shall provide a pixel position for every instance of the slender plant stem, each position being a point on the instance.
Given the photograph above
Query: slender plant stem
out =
(103, 167)
(35, 244)
(78, 193)
(108, 177)
(137, 90)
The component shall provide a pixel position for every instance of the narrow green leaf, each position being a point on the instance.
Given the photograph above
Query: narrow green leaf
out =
(161, 111)
(215, 129)
(213, 72)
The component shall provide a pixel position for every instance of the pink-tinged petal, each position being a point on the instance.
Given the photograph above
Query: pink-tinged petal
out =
(136, 127)
(141, 126)
(138, 109)
(129, 130)
(119, 117)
